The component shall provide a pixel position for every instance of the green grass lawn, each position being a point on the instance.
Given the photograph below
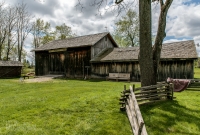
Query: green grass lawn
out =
(197, 73)
(78, 107)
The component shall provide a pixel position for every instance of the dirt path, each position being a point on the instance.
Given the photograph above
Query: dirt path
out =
(39, 79)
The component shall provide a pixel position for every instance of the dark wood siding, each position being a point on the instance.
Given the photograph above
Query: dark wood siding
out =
(76, 60)
(10, 71)
(181, 69)
(100, 45)
(41, 64)
(103, 69)
(56, 63)
(71, 63)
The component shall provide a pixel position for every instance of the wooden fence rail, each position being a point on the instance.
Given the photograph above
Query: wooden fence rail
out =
(133, 97)
(194, 83)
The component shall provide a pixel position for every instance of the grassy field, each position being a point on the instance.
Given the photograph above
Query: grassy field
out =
(79, 107)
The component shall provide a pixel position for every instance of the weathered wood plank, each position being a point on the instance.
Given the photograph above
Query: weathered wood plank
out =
(137, 110)
(152, 98)
(152, 87)
(164, 93)
(134, 117)
(130, 118)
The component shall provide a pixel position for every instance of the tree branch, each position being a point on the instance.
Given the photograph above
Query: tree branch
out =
(117, 2)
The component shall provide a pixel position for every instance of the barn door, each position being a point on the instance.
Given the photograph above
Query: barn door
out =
(56, 61)
(41, 64)
(69, 64)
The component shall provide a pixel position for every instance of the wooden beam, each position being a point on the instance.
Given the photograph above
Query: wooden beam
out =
(57, 50)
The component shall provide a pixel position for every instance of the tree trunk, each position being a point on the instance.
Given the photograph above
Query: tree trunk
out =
(148, 76)
(8, 49)
(0, 51)
(160, 33)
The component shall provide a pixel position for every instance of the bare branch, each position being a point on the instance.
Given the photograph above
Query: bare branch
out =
(117, 2)
(113, 7)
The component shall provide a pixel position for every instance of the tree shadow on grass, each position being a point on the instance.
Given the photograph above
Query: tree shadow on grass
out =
(170, 117)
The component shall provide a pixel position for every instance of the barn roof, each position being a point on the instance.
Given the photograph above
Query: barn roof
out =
(11, 63)
(81, 41)
(176, 50)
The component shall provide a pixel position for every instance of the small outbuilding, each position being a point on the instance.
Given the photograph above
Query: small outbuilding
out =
(9, 69)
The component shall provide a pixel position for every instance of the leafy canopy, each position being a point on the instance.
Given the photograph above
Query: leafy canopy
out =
(127, 29)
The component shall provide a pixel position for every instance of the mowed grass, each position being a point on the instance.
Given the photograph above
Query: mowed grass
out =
(73, 107)
(79, 107)
(197, 73)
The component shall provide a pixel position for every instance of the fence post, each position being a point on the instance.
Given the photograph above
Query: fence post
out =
(133, 87)
(124, 88)
(172, 90)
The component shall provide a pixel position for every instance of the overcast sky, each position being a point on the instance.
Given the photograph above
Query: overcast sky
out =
(183, 21)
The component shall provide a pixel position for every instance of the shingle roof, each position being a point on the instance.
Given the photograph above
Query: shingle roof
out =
(87, 40)
(176, 50)
(182, 49)
(11, 63)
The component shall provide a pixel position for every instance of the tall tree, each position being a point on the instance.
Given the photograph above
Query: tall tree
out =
(24, 27)
(150, 55)
(63, 31)
(119, 39)
(11, 24)
(40, 30)
(127, 29)
(3, 28)
(48, 34)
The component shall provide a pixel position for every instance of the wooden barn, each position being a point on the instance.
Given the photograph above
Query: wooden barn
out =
(9, 69)
(177, 61)
(71, 56)
(98, 55)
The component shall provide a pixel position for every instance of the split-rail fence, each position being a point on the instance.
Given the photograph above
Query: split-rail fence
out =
(133, 97)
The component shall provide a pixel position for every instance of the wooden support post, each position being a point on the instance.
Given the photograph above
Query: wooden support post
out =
(172, 90)
(123, 102)
(133, 87)
(124, 88)
(168, 88)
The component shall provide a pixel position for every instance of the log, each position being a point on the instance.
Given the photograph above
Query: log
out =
(122, 99)
(137, 110)
(151, 91)
(152, 87)
(151, 98)
(122, 102)
(122, 108)
(171, 85)
(153, 94)
(134, 117)
(194, 80)
(127, 94)
(130, 118)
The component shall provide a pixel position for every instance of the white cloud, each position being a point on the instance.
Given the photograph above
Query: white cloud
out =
(183, 21)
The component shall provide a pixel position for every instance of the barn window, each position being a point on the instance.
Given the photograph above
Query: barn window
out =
(105, 38)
